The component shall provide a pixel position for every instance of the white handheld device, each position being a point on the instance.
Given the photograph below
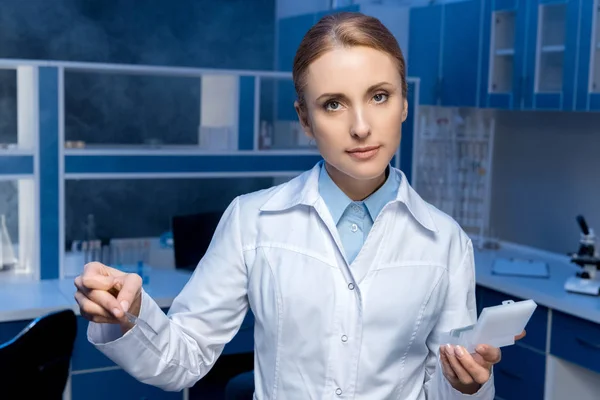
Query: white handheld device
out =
(497, 326)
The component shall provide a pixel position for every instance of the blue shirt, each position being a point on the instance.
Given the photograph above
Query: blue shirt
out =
(354, 219)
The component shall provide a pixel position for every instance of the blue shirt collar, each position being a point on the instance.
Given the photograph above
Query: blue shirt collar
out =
(337, 201)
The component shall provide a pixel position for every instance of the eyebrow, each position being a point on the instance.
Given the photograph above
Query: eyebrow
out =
(341, 95)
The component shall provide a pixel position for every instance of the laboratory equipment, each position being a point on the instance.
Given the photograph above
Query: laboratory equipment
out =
(520, 267)
(586, 281)
(453, 162)
(7, 253)
(497, 326)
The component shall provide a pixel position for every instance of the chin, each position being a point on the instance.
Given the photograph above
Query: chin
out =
(364, 170)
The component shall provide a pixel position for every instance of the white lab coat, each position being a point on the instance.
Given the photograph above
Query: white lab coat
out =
(324, 329)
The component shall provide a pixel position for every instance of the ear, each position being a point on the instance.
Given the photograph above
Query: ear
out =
(405, 110)
(303, 118)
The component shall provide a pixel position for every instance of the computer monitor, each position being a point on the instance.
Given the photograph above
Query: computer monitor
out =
(191, 237)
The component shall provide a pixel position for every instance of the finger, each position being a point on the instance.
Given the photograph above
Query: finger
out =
(107, 301)
(461, 373)
(91, 281)
(521, 335)
(478, 373)
(448, 371)
(131, 285)
(490, 354)
(92, 311)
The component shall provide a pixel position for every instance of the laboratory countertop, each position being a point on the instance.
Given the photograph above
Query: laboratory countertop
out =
(24, 300)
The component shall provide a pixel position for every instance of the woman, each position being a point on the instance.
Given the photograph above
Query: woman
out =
(351, 276)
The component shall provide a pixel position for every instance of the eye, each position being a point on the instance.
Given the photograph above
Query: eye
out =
(332, 106)
(380, 98)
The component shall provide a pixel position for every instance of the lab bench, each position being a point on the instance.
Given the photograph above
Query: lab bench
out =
(558, 359)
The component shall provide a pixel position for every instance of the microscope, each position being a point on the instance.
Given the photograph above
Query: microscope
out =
(586, 281)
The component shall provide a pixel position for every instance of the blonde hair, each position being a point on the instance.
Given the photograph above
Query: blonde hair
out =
(345, 29)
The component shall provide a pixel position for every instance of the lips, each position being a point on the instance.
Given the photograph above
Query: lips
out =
(363, 149)
(364, 153)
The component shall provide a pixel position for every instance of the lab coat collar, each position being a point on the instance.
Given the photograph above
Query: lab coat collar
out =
(304, 190)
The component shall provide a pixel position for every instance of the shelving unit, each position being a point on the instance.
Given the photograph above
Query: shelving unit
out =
(502, 55)
(41, 142)
(453, 153)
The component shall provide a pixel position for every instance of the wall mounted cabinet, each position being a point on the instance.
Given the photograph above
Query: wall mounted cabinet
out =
(529, 50)
(444, 52)
(588, 68)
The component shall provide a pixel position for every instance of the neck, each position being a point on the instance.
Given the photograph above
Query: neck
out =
(355, 189)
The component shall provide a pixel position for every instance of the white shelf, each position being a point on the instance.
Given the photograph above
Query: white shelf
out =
(553, 49)
(505, 52)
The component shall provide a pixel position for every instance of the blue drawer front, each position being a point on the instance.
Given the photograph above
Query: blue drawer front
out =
(538, 324)
(8, 330)
(576, 340)
(116, 385)
(85, 355)
(243, 341)
(520, 374)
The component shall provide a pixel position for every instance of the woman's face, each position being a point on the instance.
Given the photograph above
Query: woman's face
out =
(354, 110)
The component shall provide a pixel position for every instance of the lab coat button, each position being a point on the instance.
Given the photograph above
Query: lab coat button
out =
(338, 391)
(351, 286)
(344, 338)
(354, 227)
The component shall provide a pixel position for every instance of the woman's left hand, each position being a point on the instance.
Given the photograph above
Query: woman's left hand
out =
(468, 372)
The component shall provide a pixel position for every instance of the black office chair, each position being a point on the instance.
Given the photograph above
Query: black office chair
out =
(36, 362)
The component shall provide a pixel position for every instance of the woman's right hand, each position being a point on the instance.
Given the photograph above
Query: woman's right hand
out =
(104, 294)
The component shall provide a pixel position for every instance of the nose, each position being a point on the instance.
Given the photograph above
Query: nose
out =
(360, 128)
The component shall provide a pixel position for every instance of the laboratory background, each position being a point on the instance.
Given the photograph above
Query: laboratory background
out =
(126, 128)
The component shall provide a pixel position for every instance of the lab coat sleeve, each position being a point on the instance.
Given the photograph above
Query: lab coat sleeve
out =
(204, 317)
(459, 310)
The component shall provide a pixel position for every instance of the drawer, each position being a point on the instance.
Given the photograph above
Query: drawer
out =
(116, 385)
(243, 341)
(8, 330)
(520, 374)
(85, 355)
(576, 340)
(537, 327)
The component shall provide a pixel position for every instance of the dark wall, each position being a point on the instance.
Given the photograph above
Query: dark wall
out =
(121, 109)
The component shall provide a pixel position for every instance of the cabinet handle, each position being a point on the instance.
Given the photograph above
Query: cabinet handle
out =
(589, 344)
(510, 374)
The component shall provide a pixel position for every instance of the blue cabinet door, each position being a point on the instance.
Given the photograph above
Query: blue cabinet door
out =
(351, 8)
(460, 54)
(586, 99)
(290, 35)
(503, 35)
(551, 54)
(116, 385)
(520, 374)
(424, 50)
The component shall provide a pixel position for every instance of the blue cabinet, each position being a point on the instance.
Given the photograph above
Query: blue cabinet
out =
(588, 67)
(576, 340)
(116, 385)
(529, 54)
(444, 52)
(424, 48)
(521, 372)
